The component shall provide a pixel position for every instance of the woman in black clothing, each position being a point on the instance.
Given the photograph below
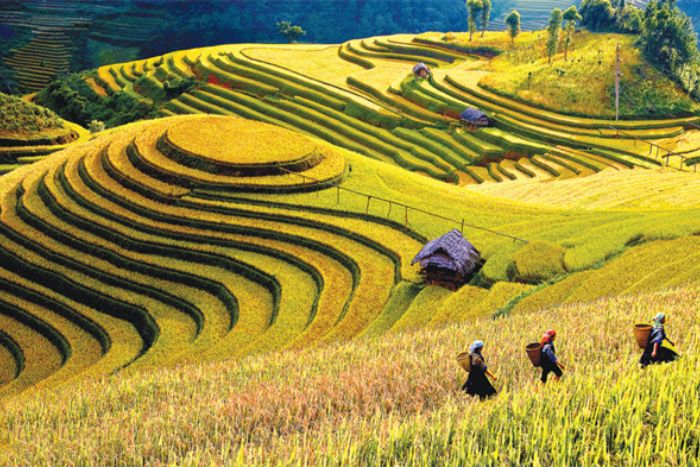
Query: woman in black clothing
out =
(549, 361)
(477, 384)
(654, 352)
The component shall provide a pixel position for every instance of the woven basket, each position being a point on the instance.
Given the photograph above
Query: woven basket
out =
(464, 361)
(641, 334)
(534, 352)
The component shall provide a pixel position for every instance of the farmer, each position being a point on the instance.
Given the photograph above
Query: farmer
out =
(550, 363)
(654, 352)
(421, 70)
(477, 384)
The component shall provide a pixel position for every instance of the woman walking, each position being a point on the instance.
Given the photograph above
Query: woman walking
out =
(477, 384)
(654, 352)
(550, 363)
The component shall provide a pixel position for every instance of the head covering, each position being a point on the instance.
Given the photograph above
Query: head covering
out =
(548, 335)
(658, 320)
(476, 345)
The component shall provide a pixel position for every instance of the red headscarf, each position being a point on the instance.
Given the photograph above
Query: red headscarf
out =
(547, 336)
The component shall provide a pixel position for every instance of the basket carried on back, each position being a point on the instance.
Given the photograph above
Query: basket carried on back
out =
(641, 334)
(534, 351)
(465, 361)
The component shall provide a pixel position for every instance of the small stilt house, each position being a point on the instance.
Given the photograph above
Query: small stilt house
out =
(449, 261)
(474, 118)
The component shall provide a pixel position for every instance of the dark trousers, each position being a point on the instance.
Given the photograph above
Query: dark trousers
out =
(662, 355)
(550, 368)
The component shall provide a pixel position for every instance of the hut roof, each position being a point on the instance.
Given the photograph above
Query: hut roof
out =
(420, 66)
(451, 251)
(472, 115)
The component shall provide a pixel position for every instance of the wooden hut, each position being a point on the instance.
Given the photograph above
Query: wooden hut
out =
(421, 70)
(474, 118)
(449, 261)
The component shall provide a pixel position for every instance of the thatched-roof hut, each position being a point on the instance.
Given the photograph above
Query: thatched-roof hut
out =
(421, 70)
(474, 117)
(449, 261)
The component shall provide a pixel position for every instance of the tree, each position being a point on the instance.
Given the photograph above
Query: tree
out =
(290, 31)
(513, 25)
(619, 6)
(630, 20)
(571, 16)
(485, 15)
(553, 29)
(96, 126)
(668, 40)
(473, 9)
(598, 15)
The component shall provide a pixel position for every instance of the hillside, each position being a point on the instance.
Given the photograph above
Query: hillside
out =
(360, 95)
(207, 247)
(44, 39)
(225, 274)
(24, 119)
(394, 401)
(29, 132)
(583, 83)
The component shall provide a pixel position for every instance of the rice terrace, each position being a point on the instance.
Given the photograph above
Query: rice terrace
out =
(399, 232)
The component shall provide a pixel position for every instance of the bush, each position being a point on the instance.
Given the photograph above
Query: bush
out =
(537, 261)
(17, 115)
(96, 126)
(75, 101)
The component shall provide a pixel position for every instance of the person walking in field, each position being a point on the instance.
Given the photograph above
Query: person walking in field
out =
(654, 352)
(550, 363)
(477, 383)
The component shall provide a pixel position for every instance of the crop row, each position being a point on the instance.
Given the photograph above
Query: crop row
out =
(197, 278)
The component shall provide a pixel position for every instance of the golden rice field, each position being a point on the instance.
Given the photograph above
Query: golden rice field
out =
(394, 400)
(232, 283)
(206, 252)
(359, 95)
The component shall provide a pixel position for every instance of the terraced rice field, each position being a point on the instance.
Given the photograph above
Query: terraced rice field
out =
(200, 238)
(112, 258)
(360, 96)
(17, 152)
(179, 274)
(394, 401)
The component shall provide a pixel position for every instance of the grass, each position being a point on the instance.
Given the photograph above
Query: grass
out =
(538, 261)
(353, 405)
(522, 72)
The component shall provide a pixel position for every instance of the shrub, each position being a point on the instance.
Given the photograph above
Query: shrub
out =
(537, 261)
(17, 115)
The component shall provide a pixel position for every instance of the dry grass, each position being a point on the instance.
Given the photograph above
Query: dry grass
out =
(393, 400)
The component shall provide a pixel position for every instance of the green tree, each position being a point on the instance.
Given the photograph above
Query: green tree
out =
(669, 41)
(571, 16)
(473, 9)
(485, 15)
(513, 25)
(619, 6)
(553, 29)
(290, 31)
(598, 15)
(630, 21)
